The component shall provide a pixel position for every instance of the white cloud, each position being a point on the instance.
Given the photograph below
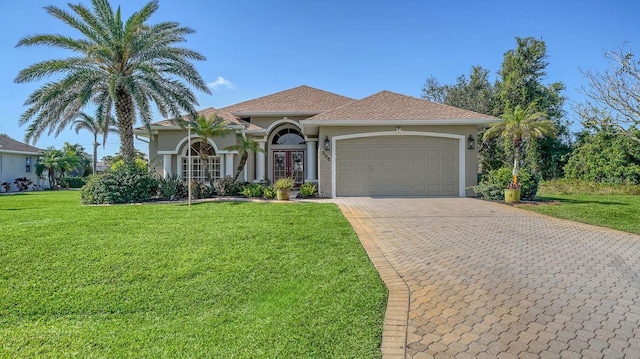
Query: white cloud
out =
(221, 82)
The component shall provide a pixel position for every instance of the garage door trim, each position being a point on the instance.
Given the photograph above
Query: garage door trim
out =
(461, 152)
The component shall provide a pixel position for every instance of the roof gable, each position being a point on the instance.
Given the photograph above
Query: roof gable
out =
(387, 105)
(298, 99)
(9, 144)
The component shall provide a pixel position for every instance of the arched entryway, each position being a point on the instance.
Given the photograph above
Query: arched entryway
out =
(287, 149)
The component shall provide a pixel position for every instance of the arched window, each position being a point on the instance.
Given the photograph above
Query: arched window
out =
(197, 164)
(288, 136)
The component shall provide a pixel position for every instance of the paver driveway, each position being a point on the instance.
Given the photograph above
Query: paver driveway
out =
(484, 280)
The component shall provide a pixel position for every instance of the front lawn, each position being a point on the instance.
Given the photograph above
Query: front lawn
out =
(223, 280)
(620, 212)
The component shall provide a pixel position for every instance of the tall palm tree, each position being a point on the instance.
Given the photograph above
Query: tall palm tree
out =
(519, 125)
(245, 145)
(207, 129)
(97, 126)
(127, 64)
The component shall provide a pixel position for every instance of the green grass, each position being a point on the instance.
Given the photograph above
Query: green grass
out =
(220, 280)
(620, 212)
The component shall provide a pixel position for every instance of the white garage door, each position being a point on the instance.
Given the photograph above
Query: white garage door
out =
(397, 166)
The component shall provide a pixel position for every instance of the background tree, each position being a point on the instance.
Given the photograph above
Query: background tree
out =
(207, 129)
(127, 64)
(72, 160)
(245, 146)
(49, 161)
(613, 95)
(519, 82)
(603, 155)
(98, 126)
(475, 93)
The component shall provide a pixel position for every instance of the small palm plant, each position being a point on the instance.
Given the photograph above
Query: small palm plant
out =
(207, 129)
(245, 145)
(519, 125)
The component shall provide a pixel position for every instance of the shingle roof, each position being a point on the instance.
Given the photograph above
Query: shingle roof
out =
(9, 144)
(388, 105)
(225, 115)
(298, 99)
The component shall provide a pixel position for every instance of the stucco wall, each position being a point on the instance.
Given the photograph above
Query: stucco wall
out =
(13, 166)
(168, 141)
(324, 164)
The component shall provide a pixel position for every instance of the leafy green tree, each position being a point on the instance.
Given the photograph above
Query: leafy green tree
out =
(245, 146)
(207, 129)
(602, 155)
(520, 83)
(519, 125)
(123, 64)
(475, 93)
(98, 126)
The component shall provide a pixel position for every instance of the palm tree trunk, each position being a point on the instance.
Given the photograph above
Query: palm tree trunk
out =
(95, 153)
(243, 161)
(516, 160)
(52, 178)
(125, 111)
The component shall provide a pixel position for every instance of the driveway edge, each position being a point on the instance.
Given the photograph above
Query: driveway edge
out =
(394, 333)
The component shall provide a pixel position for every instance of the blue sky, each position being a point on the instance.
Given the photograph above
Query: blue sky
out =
(353, 48)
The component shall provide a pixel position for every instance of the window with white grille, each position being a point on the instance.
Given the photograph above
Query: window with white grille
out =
(198, 165)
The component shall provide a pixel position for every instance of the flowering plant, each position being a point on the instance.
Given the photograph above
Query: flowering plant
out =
(514, 185)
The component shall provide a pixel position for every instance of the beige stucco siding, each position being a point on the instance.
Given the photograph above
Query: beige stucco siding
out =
(325, 166)
(14, 166)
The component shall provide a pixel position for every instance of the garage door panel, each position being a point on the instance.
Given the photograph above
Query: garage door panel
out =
(397, 165)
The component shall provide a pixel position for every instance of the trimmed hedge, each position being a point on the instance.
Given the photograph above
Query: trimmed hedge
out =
(73, 182)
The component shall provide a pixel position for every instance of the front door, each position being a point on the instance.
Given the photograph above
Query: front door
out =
(288, 164)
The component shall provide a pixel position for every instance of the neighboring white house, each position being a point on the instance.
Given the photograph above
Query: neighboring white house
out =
(17, 160)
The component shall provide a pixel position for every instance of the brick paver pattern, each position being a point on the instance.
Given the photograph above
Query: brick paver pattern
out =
(491, 281)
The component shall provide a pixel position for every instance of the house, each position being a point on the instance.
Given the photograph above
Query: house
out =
(386, 144)
(17, 160)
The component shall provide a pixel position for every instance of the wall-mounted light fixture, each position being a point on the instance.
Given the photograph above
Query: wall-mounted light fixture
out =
(327, 144)
(471, 142)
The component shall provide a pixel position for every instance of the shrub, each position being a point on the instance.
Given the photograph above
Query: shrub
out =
(493, 185)
(252, 190)
(139, 163)
(23, 183)
(169, 186)
(6, 186)
(284, 183)
(94, 191)
(227, 186)
(308, 189)
(200, 190)
(128, 183)
(73, 182)
(269, 192)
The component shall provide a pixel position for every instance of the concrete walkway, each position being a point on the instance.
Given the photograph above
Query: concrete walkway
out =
(473, 279)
